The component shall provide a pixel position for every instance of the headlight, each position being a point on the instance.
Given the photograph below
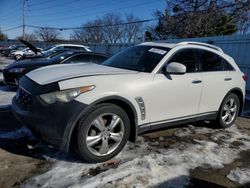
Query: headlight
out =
(65, 95)
(16, 70)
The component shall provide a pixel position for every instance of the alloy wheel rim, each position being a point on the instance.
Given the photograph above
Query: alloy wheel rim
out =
(105, 134)
(229, 111)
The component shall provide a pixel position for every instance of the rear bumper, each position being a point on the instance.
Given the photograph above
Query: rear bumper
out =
(51, 123)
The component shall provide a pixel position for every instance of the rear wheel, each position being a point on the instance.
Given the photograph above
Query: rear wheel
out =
(102, 133)
(228, 111)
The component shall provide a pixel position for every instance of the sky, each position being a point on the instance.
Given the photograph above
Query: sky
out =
(69, 13)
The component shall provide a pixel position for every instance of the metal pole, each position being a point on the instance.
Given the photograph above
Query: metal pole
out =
(23, 19)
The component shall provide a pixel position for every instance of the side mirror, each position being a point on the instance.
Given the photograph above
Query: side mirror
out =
(176, 68)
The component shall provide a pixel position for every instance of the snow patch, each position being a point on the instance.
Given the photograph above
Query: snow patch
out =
(62, 174)
(6, 95)
(240, 175)
(183, 132)
(143, 164)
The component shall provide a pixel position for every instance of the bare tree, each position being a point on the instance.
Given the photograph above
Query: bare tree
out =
(133, 30)
(240, 11)
(28, 37)
(3, 36)
(198, 18)
(244, 22)
(112, 29)
(94, 33)
(89, 33)
(47, 34)
(78, 35)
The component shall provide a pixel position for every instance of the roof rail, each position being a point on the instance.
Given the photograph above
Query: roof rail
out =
(202, 44)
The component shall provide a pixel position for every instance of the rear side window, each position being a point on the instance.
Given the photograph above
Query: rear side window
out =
(78, 59)
(74, 48)
(187, 58)
(59, 48)
(227, 65)
(98, 59)
(210, 61)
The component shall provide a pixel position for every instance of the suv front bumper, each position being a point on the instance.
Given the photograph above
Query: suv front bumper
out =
(52, 123)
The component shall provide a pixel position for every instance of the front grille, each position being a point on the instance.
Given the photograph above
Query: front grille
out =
(24, 99)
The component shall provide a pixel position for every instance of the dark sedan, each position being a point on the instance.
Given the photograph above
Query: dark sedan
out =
(13, 72)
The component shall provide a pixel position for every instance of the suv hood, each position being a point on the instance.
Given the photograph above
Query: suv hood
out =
(55, 73)
(30, 46)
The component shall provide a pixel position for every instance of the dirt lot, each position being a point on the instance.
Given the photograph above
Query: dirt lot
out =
(192, 155)
(25, 162)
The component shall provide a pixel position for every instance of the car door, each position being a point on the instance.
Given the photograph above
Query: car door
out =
(217, 77)
(176, 96)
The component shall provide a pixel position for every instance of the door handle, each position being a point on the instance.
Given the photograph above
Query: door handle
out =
(196, 81)
(227, 79)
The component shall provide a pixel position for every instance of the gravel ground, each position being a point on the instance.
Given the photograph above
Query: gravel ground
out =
(192, 155)
(6, 93)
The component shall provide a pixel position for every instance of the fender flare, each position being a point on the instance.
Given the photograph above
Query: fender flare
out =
(241, 99)
(65, 143)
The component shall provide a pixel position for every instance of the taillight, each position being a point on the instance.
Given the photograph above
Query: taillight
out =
(244, 77)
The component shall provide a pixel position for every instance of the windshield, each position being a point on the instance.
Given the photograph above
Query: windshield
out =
(48, 48)
(51, 54)
(11, 46)
(138, 58)
(61, 56)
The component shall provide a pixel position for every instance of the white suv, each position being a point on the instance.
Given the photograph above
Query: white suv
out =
(98, 108)
(25, 52)
(70, 47)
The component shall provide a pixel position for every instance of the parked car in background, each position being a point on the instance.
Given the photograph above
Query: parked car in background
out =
(51, 51)
(96, 109)
(19, 54)
(70, 47)
(16, 70)
(45, 54)
(5, 48)
(7, 51)
(2, 48)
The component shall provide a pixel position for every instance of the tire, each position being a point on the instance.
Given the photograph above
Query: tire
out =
(226, 121)
(97, 123)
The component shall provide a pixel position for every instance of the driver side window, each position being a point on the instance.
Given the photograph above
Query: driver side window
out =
(187, 58)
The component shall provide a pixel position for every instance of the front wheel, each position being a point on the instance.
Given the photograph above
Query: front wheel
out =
(228, 111)
(102, 133)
